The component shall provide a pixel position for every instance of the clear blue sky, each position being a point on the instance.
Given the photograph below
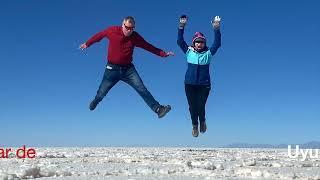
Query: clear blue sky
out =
(266, 86)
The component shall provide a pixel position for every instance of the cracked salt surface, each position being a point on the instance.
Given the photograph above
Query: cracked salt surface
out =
(159, 163)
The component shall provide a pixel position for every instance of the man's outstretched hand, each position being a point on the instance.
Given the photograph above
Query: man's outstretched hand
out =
(169, 53)
(83, 46)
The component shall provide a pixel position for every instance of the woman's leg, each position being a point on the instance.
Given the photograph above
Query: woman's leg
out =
(190, 91)
(203, 93)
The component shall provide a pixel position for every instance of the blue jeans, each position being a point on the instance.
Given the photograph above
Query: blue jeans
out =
(128, 74)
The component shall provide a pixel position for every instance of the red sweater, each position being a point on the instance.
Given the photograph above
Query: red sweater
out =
(120, 48)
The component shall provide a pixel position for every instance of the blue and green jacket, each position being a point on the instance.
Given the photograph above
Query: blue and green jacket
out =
(198, 62)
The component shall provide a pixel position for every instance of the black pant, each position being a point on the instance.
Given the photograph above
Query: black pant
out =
(197, 96)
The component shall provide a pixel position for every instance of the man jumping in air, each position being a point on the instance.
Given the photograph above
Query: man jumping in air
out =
(122, 40)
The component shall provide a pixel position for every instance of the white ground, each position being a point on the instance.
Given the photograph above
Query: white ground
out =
(159, 163)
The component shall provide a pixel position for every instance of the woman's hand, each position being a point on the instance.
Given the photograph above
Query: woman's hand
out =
(216, 22)
(183, 21)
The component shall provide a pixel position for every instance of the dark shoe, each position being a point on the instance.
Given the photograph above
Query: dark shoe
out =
(163, 110)
(93, 105)
(203, 127)
(195, 131)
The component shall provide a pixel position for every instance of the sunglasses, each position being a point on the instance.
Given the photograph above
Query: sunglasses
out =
(128, 28)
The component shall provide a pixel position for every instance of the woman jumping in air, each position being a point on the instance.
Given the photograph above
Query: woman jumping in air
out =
(197, 78)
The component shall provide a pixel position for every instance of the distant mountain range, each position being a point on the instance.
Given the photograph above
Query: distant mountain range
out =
(308, 145)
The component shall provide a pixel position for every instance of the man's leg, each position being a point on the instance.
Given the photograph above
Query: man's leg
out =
(132, 78)
(110, 78)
